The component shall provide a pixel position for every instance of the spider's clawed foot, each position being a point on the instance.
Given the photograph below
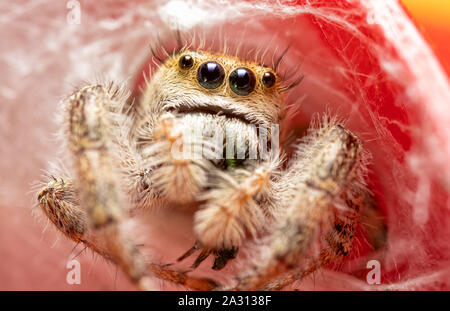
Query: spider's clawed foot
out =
(221, 256)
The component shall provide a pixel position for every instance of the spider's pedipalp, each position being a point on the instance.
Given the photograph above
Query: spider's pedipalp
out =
(174, 172)
(232, 210)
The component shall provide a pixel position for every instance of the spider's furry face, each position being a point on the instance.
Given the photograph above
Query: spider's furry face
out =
(210, 93)
(200, 81)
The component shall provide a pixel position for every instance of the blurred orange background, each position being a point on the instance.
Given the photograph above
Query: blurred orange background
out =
(433, 19)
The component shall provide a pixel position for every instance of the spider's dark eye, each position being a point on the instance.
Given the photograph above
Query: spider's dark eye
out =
(242, 81)
(210, 75)
(268, 79)
(186, 62)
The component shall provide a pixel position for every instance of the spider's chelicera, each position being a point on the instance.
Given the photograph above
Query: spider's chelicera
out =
(221, 114)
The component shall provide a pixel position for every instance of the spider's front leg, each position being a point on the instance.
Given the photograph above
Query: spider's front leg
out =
(312, 230)
(361, 210)
(90, 137)
(59, 202)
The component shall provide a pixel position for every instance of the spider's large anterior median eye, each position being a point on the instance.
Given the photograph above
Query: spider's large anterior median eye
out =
(210, 75)
(186, 62)
(242, 81)
(268, 79)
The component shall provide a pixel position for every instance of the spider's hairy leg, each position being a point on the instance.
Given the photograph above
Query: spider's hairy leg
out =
(328, 163)
(59, 202)
(339, 240)
(95, 157)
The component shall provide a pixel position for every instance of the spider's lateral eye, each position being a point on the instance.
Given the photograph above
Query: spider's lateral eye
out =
(186, 62)
(268, 79)
(242, 81)
(210, 75)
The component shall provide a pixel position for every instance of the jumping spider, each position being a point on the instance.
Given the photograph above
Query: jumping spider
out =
(303, 213)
